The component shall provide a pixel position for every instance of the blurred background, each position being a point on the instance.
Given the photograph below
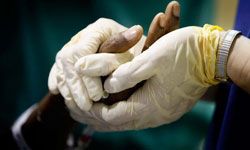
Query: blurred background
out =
(33, 31)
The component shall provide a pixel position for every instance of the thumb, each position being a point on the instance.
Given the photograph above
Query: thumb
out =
(129, 74)
(101, 64)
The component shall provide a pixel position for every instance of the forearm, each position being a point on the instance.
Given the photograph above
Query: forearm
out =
(49, 124)
(238, 66)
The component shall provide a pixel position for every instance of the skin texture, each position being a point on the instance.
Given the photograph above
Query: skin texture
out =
(163, 23)
(122, 41)
(238, 66)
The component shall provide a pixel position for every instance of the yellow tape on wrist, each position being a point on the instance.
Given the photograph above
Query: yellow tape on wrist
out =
(208, 41)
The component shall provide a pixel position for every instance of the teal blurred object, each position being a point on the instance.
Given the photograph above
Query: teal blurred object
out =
(33, 31)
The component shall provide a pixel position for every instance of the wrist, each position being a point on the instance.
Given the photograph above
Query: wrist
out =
(238, 66)
(224, 49)
(47, 123)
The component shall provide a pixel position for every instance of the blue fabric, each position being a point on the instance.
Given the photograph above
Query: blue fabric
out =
(230, 126)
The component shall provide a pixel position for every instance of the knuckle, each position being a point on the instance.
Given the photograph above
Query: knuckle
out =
(102, 19)
(59, 55)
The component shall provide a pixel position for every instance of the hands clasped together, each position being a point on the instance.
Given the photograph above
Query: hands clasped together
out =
(178, 69)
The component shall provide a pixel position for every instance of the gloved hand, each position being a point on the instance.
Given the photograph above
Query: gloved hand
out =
(179, 67)
(78, 91)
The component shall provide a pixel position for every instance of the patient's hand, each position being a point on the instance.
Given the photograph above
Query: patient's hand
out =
(162, 24)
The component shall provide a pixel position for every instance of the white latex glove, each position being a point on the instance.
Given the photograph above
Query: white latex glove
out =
(79, 92)
(179, 68)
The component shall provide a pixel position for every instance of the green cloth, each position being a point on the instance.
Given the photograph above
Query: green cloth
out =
(33, 31)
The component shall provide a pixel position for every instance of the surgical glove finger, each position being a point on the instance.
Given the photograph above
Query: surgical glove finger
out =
(69, 102)
(129, 74)
(76, 86)
(101, 64)
(122, 112)
(94, 87)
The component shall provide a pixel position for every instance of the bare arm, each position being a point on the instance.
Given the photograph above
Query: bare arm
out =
(238, 67)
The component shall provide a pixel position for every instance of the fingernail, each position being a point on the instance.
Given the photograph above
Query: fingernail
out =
(105, 94)
(115, 85)
(132, 32)
(176, 10)
(109, 86)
